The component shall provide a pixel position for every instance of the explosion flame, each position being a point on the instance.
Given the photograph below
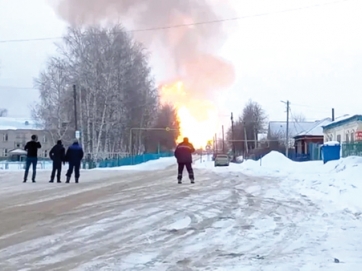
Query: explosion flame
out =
(198, 118)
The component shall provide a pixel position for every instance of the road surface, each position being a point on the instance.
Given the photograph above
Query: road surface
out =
(116, 220)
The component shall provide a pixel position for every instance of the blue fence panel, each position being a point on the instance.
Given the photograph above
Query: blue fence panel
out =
(106, 163)
(133, 160)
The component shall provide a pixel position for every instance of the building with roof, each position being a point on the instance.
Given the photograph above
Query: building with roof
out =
(307, 142)
(347, 128)
(15, 132)
(277, 129)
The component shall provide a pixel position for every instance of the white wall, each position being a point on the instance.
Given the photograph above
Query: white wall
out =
(346, 132)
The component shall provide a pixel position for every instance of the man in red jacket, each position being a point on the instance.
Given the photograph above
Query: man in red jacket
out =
(183, 154)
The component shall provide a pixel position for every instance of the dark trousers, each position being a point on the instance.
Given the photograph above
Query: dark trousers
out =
(57, 167)
(188, 168)
(76, 168)
(30, 161)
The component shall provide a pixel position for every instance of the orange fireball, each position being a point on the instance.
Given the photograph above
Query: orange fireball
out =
(198, 118)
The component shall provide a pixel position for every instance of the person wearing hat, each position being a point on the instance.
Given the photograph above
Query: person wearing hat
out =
(74, 156)
(31, 148)
(57, 154)
(183, 154)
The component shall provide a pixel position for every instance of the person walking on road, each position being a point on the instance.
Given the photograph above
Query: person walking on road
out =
(74, 157)
(31, 147)
(57, 154)
(183, 154)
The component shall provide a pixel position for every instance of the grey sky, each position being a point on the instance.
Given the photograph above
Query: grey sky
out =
(313, 57)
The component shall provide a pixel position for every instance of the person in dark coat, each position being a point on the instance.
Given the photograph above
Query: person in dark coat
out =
(31, 147)
(74, 157)
(183, 154)
(57, 154)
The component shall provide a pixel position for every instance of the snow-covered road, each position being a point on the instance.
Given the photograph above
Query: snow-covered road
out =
(120, 220)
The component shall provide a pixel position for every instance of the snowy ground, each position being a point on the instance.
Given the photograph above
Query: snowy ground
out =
(272, 218)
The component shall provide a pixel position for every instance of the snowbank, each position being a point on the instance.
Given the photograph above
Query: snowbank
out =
(338, 182)
(275, 164)
(158, 164)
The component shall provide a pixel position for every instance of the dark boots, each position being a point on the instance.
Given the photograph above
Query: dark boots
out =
(179, 181)
(76, 180)
(52, 181)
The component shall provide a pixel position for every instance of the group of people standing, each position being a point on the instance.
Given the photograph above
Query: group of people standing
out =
(58, 155)
(74, 156)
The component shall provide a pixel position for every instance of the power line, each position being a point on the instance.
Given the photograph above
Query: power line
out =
(319, 109)
(193, 24)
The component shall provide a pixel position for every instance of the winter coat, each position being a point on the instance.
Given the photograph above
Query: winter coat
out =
(32, 148)
(57, 153)
(183, 152)
(74, 154)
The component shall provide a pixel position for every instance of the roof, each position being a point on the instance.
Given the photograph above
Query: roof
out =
(17, 151)
(342, 120)
(17, 124)
(295, 128)
(317, 130)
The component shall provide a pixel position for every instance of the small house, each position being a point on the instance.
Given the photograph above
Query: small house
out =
(308, 142)
(277, 130)
(344, 129)
(347, 130)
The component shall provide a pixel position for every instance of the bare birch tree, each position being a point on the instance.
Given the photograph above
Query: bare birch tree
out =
(115, 89)
(247, 127)
(298, 117)
(55, 96)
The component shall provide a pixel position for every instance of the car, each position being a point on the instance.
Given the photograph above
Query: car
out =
(221, 160)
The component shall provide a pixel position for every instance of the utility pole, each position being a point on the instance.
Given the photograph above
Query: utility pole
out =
(232, 134)
(75, 111)
(223, 139)
(332, 114)
(287, 129)
(246, 140)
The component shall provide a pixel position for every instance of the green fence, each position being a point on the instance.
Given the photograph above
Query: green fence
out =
(352, 149)
(133, 160)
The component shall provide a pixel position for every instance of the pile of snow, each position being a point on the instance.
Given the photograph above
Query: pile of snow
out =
(158, 164)
(338, 182)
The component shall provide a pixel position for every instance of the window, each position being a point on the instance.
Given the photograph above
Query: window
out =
(5, 137)
(352, 137)
(45, 153)
(44, 139)
(347, 138)
(339, 138)
(5, 152)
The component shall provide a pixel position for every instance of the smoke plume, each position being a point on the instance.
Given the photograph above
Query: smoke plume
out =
(192, 49)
